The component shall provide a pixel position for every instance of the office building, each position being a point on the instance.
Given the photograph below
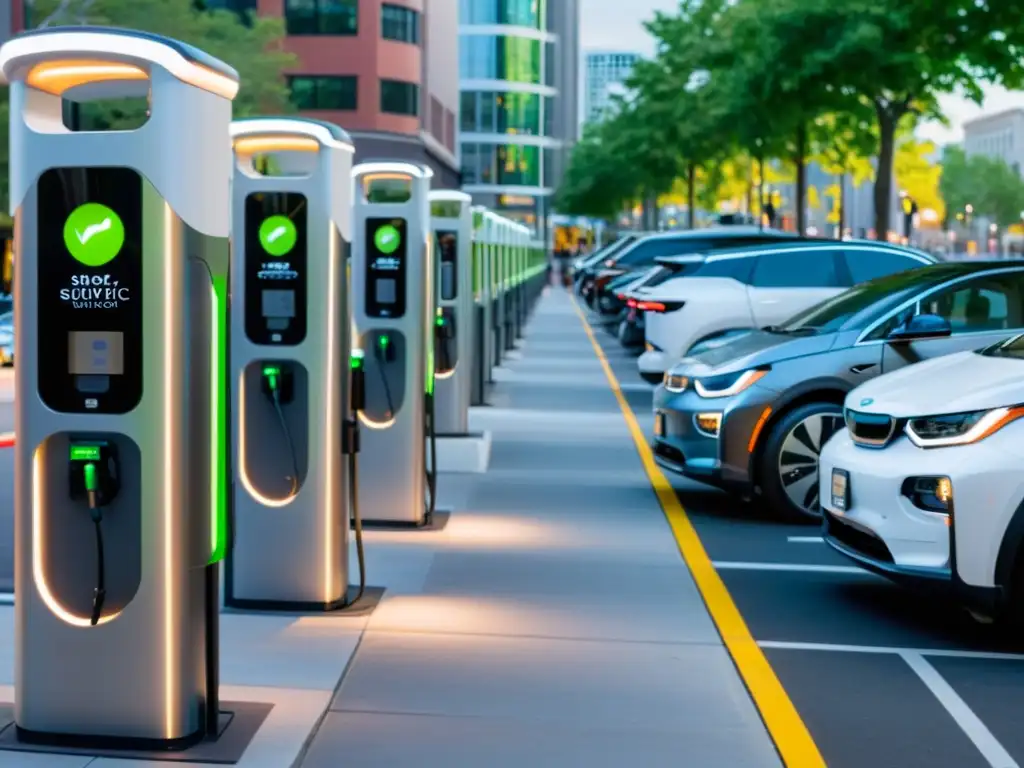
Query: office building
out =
(518, 73)
(605, 73)
(386, 72)
(998, 135)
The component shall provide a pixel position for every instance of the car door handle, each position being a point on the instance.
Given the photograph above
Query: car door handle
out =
(863, 368)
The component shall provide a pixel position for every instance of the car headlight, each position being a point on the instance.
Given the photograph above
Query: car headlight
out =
(959, 428)
(728, 384)
(675, 382)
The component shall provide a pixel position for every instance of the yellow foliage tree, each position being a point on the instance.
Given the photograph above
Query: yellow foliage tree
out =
(813, 198)
(918, 174)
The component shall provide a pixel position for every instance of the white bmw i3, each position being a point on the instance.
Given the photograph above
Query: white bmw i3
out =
(926, 483)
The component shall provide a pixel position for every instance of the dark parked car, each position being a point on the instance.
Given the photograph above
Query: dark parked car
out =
(594, 277)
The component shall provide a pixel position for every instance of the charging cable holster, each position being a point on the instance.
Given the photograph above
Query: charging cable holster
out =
(102, 456)
(278, 382)
(350, 430)
(384, 350)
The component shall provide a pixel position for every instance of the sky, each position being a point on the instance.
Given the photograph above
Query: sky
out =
(618, 25)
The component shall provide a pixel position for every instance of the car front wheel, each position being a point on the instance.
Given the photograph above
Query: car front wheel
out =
(789, 461)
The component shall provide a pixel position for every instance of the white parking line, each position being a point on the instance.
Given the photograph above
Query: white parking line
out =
(783, 645)
(805, 540)
(790, 567)
(970, 724)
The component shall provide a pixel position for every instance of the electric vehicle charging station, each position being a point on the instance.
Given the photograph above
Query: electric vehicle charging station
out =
(518, 261)
(488, 252)
(499, 246)
(452, 225)
(122, 263)
(395, 301)
(511, 306)
(290, 350)
(524, 278)
(481, 307)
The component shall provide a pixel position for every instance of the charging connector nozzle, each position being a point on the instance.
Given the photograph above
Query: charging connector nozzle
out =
(272, 374)
(358, 365)
(92, 488)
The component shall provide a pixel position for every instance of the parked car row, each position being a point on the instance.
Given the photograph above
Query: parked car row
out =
(891, 412)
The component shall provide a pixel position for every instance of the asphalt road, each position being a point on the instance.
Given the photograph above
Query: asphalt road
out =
(881, 676)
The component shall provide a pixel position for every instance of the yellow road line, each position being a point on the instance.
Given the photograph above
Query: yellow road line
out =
(786, 728)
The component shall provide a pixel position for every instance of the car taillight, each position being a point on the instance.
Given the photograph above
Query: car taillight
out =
(620, 296)
(631, 303)
(659, 306)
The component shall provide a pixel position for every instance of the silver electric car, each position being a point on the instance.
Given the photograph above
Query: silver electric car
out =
(753, 414)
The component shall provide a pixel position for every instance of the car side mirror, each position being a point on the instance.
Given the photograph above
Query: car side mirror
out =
(921, 327)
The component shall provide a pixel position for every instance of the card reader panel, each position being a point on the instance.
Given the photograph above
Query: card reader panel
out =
(90, 330)
(387, 250)
(276, 261)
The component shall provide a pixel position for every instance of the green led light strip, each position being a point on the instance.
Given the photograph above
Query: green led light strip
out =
(219, 520)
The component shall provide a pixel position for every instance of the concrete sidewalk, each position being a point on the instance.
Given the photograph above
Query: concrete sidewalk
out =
(553, 623)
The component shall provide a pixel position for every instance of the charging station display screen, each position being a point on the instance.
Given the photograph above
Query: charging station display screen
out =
(275, 268)
(90, 262)
(386, 250)
(448, 247)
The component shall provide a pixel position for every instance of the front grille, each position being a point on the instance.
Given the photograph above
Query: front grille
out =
(874, 430)
(859, 541)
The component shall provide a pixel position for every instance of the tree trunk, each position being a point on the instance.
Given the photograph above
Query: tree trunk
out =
(887, 120)
(650, 209)
(842, 204)
(800, 158)
(760, 192)
(691, 195)
(750, 189)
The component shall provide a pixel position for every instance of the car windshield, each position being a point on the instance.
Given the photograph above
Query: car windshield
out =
(1011, 347)
(861, 304)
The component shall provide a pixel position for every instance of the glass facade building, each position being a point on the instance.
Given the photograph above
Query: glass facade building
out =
(517, 75)
(605, 74)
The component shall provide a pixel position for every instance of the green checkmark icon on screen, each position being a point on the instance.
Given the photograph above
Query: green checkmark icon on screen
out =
(93, 234)
(387, 239)
(278, 235)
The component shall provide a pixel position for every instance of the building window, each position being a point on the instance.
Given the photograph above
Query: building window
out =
(520, 13)
(337, 92)
(506, 164)
(495, 112)
(242, 7)
(398, 98)
(401, 24)
(487, 57)
(321, 17)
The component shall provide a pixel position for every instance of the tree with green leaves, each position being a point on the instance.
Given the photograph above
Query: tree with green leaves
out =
(992, 188)
(253, 46)
(844, 142)
(598, 182)
(896, 57)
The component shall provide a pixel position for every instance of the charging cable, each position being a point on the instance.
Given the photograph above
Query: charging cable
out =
(432, 469)
(382, 351)
(92, 487)
(358, 398)
(273, 377)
